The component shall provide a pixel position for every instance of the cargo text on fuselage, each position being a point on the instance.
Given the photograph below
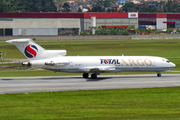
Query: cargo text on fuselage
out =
(127, 62)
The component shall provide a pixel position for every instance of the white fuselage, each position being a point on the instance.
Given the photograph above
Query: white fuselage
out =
(102, 64)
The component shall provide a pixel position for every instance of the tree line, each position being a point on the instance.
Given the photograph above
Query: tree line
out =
(99, 6)
(27, 6)
(168, 6)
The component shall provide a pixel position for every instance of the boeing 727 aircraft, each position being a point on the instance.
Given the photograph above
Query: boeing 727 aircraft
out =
(57, 61)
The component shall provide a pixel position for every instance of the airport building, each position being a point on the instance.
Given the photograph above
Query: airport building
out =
(15, 24)
(160, 21)
(22, 24)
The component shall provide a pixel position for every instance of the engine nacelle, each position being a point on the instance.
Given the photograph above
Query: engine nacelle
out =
(57, 63)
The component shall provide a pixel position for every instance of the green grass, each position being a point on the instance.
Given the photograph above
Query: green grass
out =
(120, 104)
(163, 48)
(177, 62)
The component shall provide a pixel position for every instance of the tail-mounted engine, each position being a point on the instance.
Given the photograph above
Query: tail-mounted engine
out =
(57, 63)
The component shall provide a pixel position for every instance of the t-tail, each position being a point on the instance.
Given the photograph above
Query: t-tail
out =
(33, 51)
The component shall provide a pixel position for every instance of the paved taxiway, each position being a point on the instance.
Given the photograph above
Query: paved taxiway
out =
(44, 84)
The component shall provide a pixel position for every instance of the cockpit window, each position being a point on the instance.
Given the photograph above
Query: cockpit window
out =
(167, 61)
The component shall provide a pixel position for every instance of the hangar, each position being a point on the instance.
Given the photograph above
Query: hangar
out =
(18, 24)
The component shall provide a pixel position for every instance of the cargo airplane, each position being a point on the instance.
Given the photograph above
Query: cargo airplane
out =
(56, 60)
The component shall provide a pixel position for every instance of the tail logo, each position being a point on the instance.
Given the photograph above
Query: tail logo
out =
(31, 51)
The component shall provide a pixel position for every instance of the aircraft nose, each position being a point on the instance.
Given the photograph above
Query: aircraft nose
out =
(173, 65)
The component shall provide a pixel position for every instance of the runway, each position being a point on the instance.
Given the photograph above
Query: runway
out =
(64, 83)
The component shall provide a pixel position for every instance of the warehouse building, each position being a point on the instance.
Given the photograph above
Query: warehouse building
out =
(18, 24)
(160, 21)
(15, 24)
(22, 24)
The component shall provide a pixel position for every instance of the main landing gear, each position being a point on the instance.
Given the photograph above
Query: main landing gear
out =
(159, 75)
(93, 76)
(85, 75)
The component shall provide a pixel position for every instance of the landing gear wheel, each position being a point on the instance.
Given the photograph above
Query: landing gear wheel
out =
(85, 75)
(158, 75)
(94, 76)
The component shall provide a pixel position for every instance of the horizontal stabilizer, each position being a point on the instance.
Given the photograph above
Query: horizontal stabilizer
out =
(18, 41)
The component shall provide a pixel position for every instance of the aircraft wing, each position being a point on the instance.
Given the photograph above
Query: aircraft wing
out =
(98, 69)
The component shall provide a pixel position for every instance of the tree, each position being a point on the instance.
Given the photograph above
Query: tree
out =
(37, 6)
(159, 11)
(79, 9)
(110, 10)
(66, 7)
(18, 6)
(152, 9)
(97, 9)
(170, 6)
(101, 5)
(48, 6)
(2, 6)
(27, 6)
(125, 32)
(169, 30)
(107, 3)
(142, 8)
(129, 7)
(131, 27)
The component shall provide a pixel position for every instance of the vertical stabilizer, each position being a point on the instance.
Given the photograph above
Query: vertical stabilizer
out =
(28, 47)
(33, 51)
